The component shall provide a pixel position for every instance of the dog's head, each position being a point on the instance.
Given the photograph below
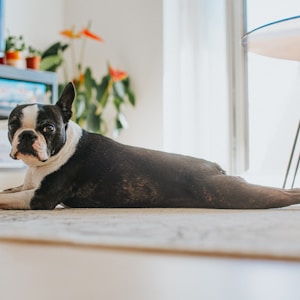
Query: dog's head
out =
(37, 132)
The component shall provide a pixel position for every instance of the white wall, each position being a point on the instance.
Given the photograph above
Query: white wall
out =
(37, 20)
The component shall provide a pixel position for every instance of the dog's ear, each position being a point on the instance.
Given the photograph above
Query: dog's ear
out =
(66, 100)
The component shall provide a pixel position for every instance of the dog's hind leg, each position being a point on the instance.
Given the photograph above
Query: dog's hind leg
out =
(234, 192)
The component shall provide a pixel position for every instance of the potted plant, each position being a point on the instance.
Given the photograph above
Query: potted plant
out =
(96, 97)
(33, 58)
(14, 47)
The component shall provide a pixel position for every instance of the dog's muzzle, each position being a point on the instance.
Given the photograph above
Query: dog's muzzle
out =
(30, 146)
(26, 140)
(27, 136)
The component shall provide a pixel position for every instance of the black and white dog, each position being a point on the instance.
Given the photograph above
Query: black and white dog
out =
(69, 166)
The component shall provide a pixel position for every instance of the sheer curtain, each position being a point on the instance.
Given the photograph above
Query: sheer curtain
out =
(198, 83)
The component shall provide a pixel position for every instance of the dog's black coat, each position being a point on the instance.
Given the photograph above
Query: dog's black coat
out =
(104, 173)
(127, 176)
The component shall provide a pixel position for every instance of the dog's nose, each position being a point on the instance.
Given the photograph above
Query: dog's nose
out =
(27, 135)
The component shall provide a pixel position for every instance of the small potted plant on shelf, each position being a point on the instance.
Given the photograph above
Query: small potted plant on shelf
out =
(33, 58)
(14, 47)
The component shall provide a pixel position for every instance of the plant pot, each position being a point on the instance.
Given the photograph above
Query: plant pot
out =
(14, 58)
(33, 62)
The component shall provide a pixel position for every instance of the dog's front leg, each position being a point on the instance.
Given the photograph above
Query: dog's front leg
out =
(16, 200)
(12, 190)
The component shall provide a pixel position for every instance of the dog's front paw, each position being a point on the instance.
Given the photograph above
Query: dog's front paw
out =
(5, 203)
(16, 200)
(12, 190)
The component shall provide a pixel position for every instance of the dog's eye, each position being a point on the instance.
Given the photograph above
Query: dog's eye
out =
(49, 128)
(12, 126)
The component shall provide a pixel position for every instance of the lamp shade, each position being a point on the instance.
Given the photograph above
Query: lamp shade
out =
(280, 39)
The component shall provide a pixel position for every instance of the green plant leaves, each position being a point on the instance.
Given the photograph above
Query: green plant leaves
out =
(55, 49)
(118, 101)
(89, 82)
(52, 58)
(80, 106)
(14, 43)
(102, 90)
(128, 91)
(131, 97)
(93, 121)
(92, 99)
(119, 89)
(50, 63)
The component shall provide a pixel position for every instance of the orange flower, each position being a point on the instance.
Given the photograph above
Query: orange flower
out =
(81, 78)
(117, 75)
(91, 35)
(70, 34)
(78, 81)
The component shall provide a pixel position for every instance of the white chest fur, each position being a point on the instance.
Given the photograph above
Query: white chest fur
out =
(35, 174)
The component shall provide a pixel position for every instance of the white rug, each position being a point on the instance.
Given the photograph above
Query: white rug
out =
(272, 234)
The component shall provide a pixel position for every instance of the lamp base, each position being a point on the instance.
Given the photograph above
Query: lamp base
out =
(292, 157)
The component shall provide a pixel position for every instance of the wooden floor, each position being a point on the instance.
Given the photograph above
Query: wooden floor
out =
(58, 272)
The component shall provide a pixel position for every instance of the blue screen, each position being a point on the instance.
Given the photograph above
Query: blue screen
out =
(16, 92)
